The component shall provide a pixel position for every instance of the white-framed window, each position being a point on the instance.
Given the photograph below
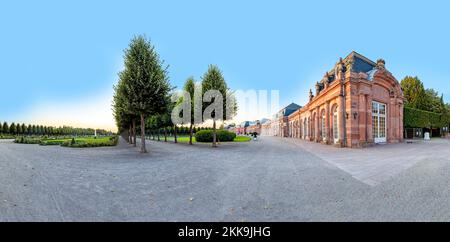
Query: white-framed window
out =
(324, 131)
(379, 129)
(335, 126)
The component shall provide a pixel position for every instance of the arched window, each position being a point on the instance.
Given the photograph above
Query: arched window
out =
(335, 126)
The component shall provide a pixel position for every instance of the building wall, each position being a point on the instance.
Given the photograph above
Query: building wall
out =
(341, 113)
(352, 98)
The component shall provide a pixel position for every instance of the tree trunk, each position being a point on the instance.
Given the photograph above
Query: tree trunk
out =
(134, 133)
(175, 133)
(159, 131)
(214, 134)
(165, 134)
(143, 149)
(190, 134)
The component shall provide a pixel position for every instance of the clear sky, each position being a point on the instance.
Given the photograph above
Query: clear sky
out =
(59, 59)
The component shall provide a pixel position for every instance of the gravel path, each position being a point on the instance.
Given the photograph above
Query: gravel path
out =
(268, 180)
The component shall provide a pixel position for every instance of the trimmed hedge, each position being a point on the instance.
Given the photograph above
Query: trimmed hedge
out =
(72, 142)
(112, 141)
(206, 136)
(415, 118)
(5, 136)
(27, 140)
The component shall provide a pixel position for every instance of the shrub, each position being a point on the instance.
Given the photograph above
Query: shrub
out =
(206, 136)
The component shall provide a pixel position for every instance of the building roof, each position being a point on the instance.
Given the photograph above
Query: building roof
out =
(357, 62)
(264, 120)
(286, 111)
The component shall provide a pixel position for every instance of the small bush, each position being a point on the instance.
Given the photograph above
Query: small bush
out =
(206, 136)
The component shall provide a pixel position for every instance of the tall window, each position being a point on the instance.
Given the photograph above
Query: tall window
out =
(324, 132)
(335, 126)
(379, 122)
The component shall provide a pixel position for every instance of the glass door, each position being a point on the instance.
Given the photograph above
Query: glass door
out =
(379, 122)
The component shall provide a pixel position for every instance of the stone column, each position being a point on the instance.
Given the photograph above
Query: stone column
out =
(342, 120)
(310, 126)
(317, 129)
(391, 124)
(327, 123)
(369, 120)
(362, 118)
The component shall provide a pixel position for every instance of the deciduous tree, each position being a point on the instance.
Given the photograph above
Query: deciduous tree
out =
(146, 80)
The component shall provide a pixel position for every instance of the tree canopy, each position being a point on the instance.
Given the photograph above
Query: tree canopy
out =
(414, 92)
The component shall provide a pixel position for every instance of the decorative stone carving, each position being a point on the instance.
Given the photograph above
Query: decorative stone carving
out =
(325, 80)
(381, 64)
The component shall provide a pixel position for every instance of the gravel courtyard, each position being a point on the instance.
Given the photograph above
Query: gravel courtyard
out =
(272, 179)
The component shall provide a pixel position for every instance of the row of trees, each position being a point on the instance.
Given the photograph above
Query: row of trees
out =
(142, 97)
(170, 131)
(23, 129)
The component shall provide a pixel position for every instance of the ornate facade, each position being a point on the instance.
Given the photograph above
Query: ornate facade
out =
(357, 103)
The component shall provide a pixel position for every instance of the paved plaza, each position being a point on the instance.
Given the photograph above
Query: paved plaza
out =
(272, 179)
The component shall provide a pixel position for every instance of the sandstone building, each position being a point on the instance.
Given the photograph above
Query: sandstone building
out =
(357, 103)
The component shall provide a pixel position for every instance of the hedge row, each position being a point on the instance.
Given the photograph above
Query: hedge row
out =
(206, 136)
(415, 118)
(112, 141)
(27, 140)
(74, 143)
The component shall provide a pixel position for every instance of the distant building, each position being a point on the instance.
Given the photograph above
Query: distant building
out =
(278, 126)
(255, 127)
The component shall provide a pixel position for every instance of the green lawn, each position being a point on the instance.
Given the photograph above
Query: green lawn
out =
(185, 139)
(81, 142)
(242, 139)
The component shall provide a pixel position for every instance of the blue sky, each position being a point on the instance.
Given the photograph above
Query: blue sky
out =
(62, 57)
